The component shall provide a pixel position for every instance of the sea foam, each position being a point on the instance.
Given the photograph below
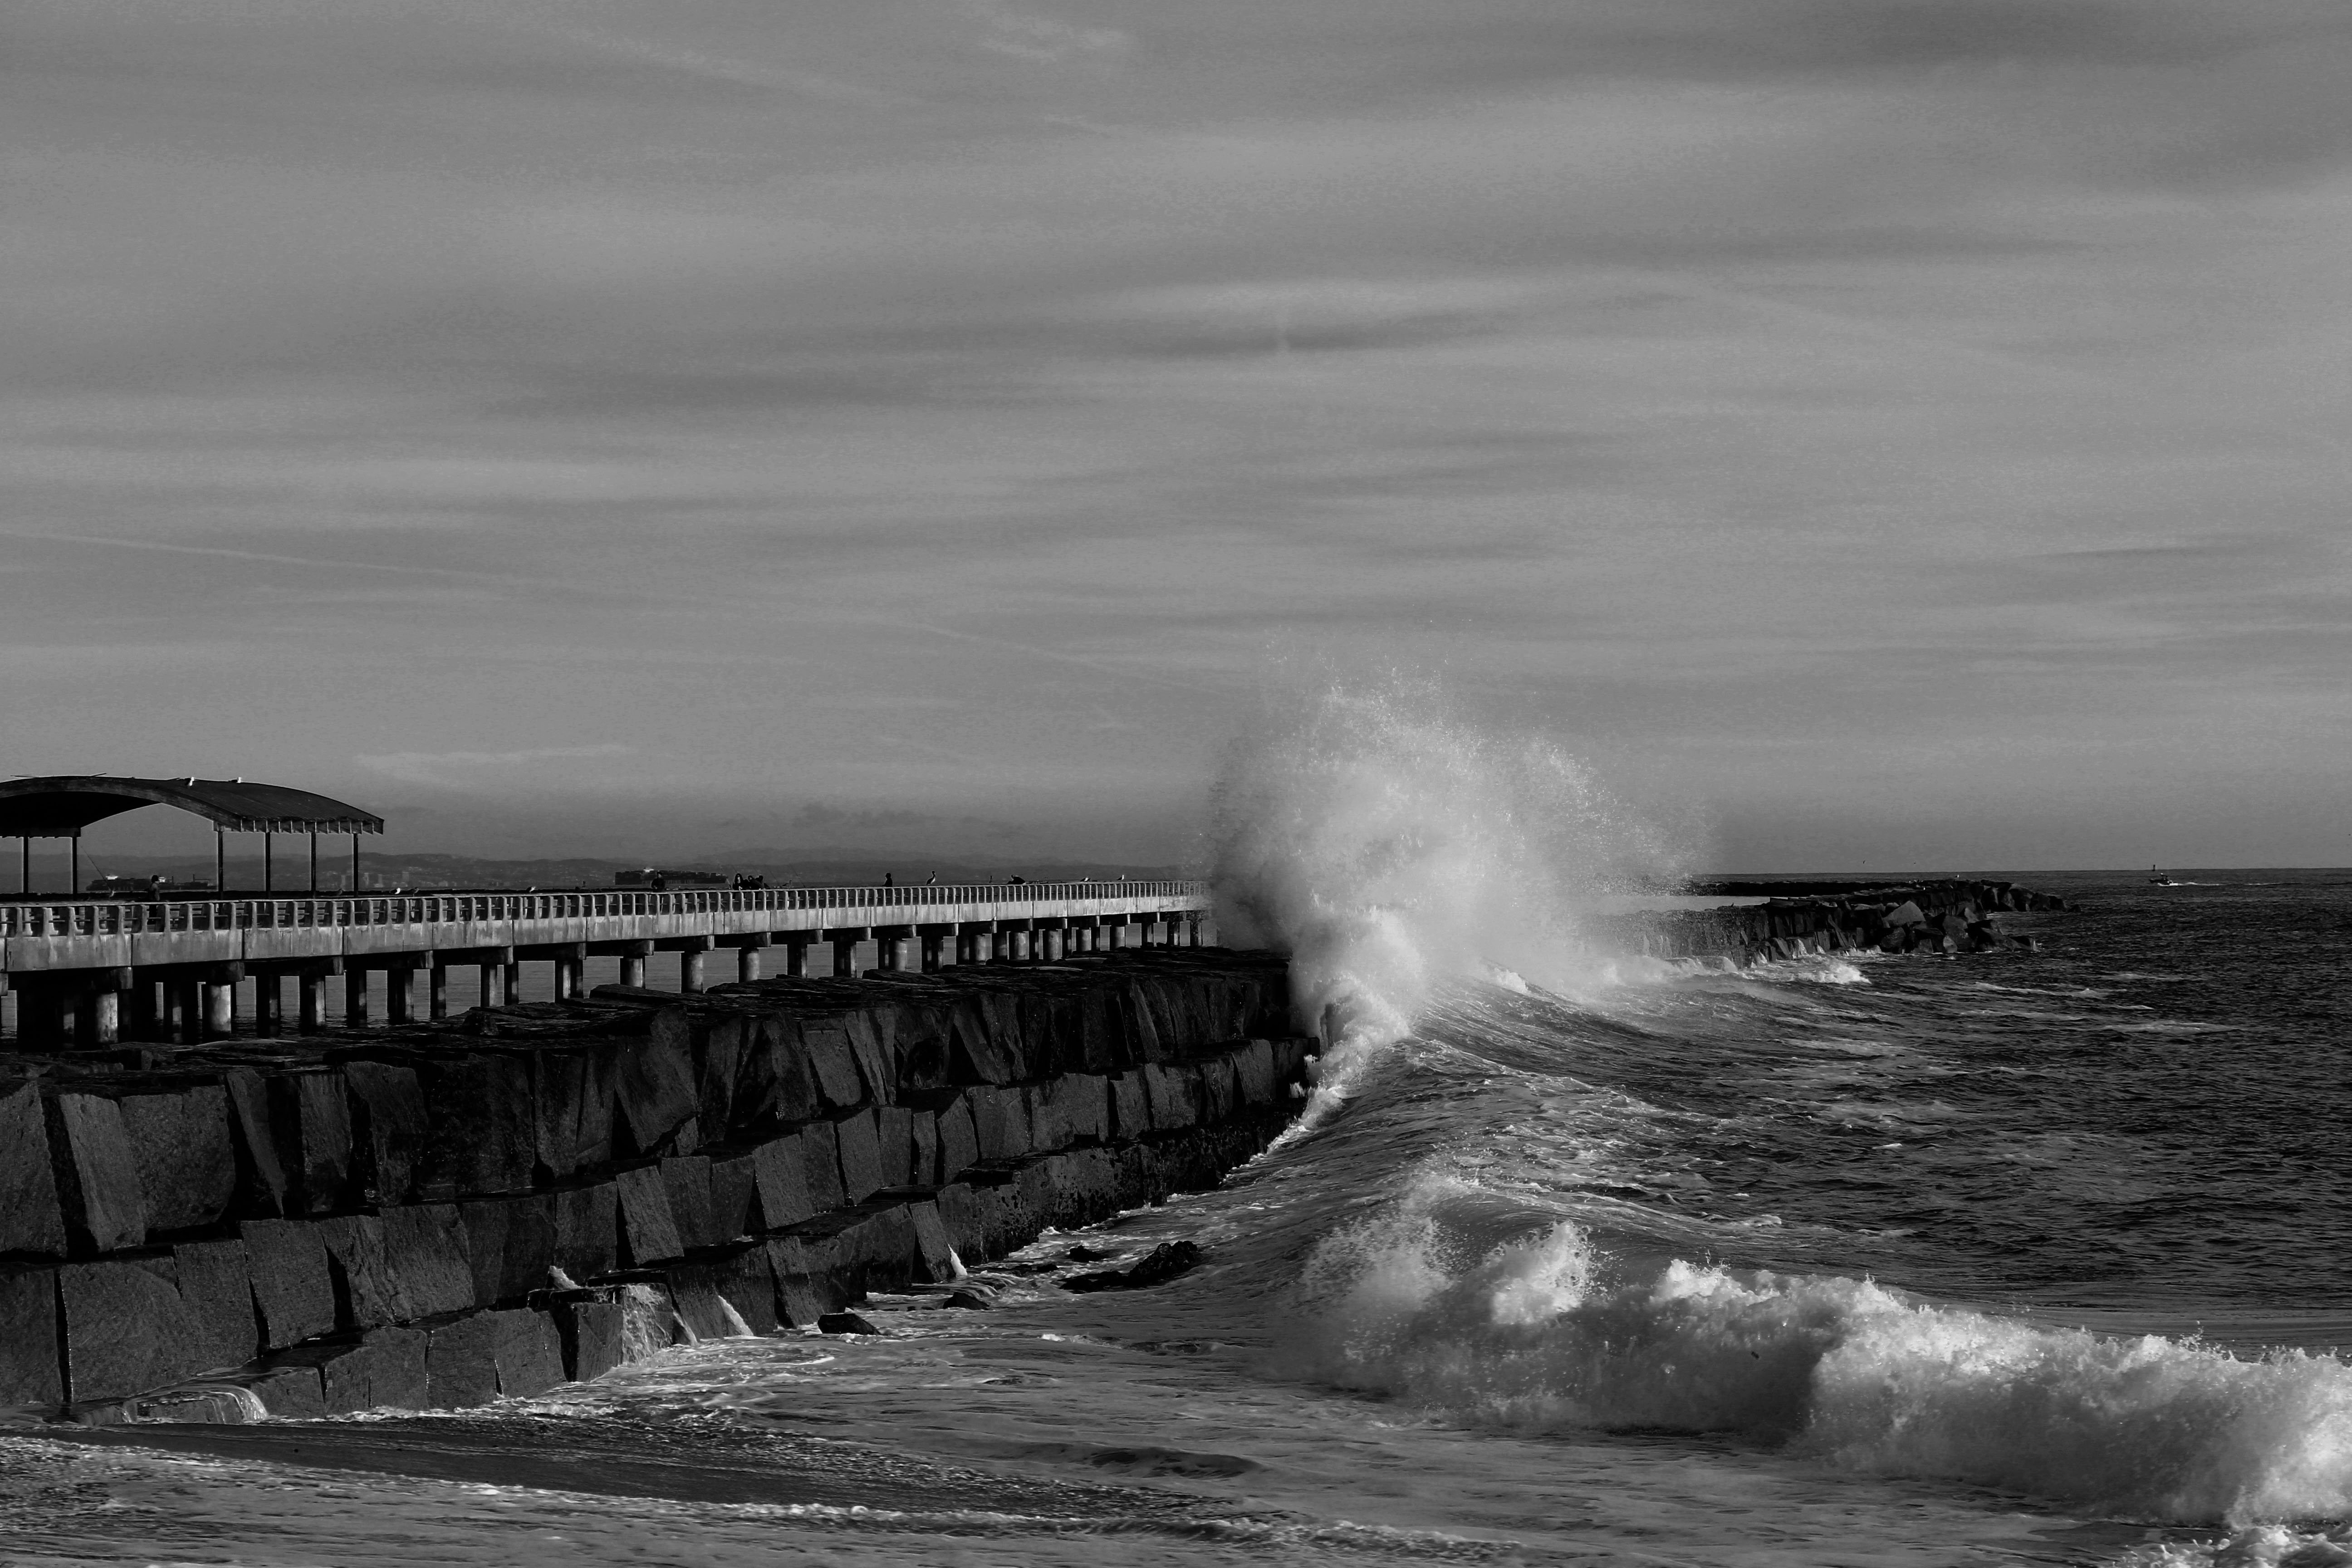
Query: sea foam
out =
(1532, 1334)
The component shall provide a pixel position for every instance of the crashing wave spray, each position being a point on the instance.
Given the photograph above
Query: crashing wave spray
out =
(1389, 846)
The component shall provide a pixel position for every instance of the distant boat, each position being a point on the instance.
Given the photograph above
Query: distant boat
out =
(2159, 879)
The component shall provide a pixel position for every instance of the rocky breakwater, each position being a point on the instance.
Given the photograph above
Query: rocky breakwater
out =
(1942, 916)
(433, 1218)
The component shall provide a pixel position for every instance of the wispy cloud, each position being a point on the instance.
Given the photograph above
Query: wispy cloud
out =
(478, 770)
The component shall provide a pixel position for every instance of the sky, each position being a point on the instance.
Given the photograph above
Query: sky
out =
(1874, 433)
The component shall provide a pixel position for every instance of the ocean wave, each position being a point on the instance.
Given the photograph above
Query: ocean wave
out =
(1534, 1332)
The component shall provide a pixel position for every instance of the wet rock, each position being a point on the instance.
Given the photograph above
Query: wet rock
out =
(589, 1323)
(97, 1175)
(389, 1128)
(292, 1288)
(648, 1231)
(858, 1141)
(779, 1179)
(687, 1178)
(260, 1179)
(1161, 1264)
(461, 1363)
(845, 1323)
(31, 1219)
(969, 1300)
(654, 1086)
(510, 1244)
(424, 1248)
(587, 1230)
(126, 1330)
(821, 1164)
(310, 1121)
(29, 1366)
(185, 1157)
(216, 1284)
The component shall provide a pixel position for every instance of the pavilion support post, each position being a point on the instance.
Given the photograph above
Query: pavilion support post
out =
(268, 865)
(73, 864)
(24, 872)
(690, 971)
(845, 958)
(220, 859)
(933, 957)
(437, 991)
(314, 860)
(632, 964)
(355, 862)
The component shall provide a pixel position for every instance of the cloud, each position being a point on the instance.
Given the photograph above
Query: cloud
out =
(466, 770)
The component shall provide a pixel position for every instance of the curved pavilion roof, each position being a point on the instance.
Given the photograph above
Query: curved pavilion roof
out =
(61, 808)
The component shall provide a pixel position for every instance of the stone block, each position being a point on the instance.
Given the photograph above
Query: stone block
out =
(587, 1233)
(779, 1174)
(310, 1121)
(530, 1352)
(292, 1288)
(804, 1292)
(1220, 1094)
(367, 1292)
(31, 1219)
(389, 1129)
(654, 1090)
(694, 1293)
(461, 1361)
(1173, 1089)
(424, 1248)
(185, 1156)
(510, 1244)
(483, 1133)
(381, 1370)
(832, 1063)
(1131, 1107)
(260, 1179)
(894, 1138)
(125, 1328)
(734, 1196)
(821, 1158)
(30, 1370)
(959, 1140)
(923, 1149)
(720, 1043)
(573, 1096)
(590, 1325)
(742, 1275)
(97, 1175)
(1254, 1065)
(1000, 1120)
(934, 1250)
(649, 1320)
(216, 1285)
(975, 1054)
(775, 1087)
(687, 1178)
(861, 1155)
(919, 1044)
(876, 1065)
(291, 1391)
(648, 1232)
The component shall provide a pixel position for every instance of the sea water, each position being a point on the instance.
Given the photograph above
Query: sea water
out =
(1578, 1257)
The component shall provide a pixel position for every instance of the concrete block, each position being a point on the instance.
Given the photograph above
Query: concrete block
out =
(215, 1283)
(821, 1158)
(1173, 1089)
(1000, 1117)
(97, 1175)
(587, 1233)
(923, 1149)
(31, 1219)
(573, 1092)
(589, 1323)
(934, 1250)
(1131, 1107)
(125, 1329)
(959, 1140)
(734, 1196)
(1220, 1093)
(31, 1370)
(290, 1285)
(918, 1039)
(648, 1233)
(289, 1392)
(530, 1352)
(803, 1292)
(461, 1361)
(260, 1179)
(1008, 1035)
(861, 1155)
(832, 1063)
(694, 1292)
(424, 1248)
(311, 1119)
(384, 1369)
(654, 1090)
(780, 1173)
(775, 1087)
(367, 1291)
(720, 1041)
(894, 1138)
(743, 1276)
(687, 1178)
(483, 1133)
(510, 1244)
(185, 1156)
(975, 1054)
(876, 1065)
(389, 1129)
(1254, 1064)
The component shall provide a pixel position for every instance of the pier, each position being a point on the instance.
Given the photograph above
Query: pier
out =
(90, 972)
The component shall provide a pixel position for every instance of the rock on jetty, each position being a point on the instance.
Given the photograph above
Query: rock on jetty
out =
(1943, 916)
(435, 1217)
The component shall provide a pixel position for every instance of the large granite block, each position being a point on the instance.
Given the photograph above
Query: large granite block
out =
(126, 1330)
(185, 1155)
(779, 1175)
(654, 1086)
(687, 1178)
(31, 1370)
(216, 1285)
(744, 1276)
(1220, 1091)
(935, 1256)
(720, 1041)
(1000, 1117)
(367, 1291)
(289, 1391)
(734, 1196)
(260, 1179)
(31, 1218)
(461, 1361)
(425, 1249)
(694, 1292)
(1254, 1065)
(648, 1231)
(390, 1129)
(860, 1149)
(894, 1142)
(774, 1086)
(310, 1118)
(530, 1352)
(832, 1063)
(96, 1174)
(573, 1093)
(590, 1325)
(959, 1140)
(587, 1230)
(1173, 1089)
(483, 1136)
(290, 1284)
(1130, 1106)
(878, 1066)
(821, 1158)
(923, 1148)
(920, 1044)
(510, 1244)
(975, 1053)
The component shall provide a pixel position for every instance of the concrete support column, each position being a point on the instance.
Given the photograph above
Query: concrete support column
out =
(268, 1005)
(142, 1019)
(313, 1002)
(796, 951)
(188, 1005)
(493, 985)
(633, 963)
(934, 957)
(689, 970)
(571, 978)
(399, 995)
(746, 963)
(1021, 943)
(437, 991)
(512, 984)
(355, 999)
(845, 958)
